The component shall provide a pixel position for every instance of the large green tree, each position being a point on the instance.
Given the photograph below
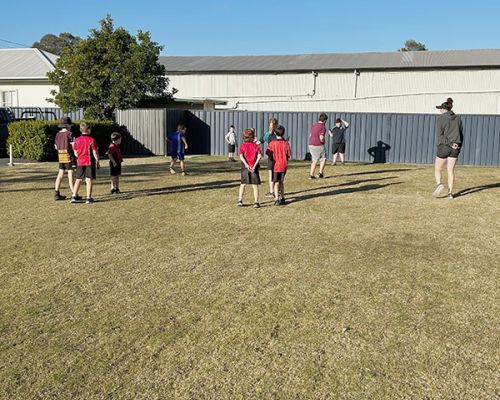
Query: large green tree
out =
(55, 44)
(413, 45)
(108, 70)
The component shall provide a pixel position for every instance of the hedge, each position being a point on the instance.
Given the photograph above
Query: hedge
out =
(34, 140)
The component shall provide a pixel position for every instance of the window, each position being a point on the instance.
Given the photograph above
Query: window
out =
(7, 98)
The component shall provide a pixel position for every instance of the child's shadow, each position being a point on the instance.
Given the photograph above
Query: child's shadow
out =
(471, 190)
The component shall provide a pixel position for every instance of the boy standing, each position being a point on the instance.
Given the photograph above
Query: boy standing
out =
(250, 155)
(64, 146)
(115, 161)
(279, 150)
(230, 139)
(338, 140)
(317, 146)
(178, 145)
(85, 146)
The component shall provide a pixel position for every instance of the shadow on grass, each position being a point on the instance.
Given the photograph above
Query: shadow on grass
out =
(471, 190)
(195, 187)
(364, 188)
(380, 171)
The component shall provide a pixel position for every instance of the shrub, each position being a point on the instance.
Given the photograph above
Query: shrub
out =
(34, 140)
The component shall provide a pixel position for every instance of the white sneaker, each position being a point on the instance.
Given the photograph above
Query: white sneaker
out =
(438, 190)
(172, 171)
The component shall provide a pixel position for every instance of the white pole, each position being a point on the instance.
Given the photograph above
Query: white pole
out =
(11, 161)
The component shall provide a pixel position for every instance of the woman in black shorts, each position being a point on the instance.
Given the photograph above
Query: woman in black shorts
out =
(449, 143)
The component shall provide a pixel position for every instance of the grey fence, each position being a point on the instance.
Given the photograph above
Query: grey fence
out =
(395, 138)
(46, 113)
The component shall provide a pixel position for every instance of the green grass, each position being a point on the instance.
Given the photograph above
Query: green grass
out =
(363, 287)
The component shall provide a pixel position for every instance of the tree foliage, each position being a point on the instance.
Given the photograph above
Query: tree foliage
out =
(413, 45)
(55, 44)
(108, 70)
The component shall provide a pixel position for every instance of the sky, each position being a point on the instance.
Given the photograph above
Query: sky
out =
(253, 27)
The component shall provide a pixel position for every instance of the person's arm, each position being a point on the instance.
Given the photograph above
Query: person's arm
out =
(96, 154)
(345, 123)
(330, 133)
(226, 138)
(259, 156)
(244, 161)
(185, 142)
(75, 149)
(322, 135)
(112, 159)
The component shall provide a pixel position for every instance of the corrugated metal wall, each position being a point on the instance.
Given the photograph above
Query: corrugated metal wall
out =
(395, 138)
(146, 130)
(48, 113)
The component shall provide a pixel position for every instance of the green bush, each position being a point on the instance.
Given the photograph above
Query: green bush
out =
(34, 140)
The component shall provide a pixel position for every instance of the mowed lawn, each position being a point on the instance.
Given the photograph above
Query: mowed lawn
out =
(362, 287)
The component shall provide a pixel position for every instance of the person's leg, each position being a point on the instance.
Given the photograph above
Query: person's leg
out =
(242, 192)
(172, 163)
(341, 157)
(255, 193)
(88, 184)
(313, 167)
(322, 166)
(76, 187)
(452, 162)
(271, 184)
(183, 165)
(71, 180)
(117, 182)
(276, 190)
(438, 167)
(60, 176)
(334, 160)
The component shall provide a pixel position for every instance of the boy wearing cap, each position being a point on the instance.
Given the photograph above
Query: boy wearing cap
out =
(63, 144)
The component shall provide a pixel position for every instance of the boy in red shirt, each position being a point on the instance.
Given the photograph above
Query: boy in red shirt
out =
(115, 161)
(250, 155)
(279, 150)
(85, 146)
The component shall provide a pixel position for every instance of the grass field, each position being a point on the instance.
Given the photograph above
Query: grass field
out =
(363, 287)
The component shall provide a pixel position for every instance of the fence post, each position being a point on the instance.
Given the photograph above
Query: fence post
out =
(11, 161)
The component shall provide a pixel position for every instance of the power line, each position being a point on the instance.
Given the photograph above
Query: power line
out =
(19, 44)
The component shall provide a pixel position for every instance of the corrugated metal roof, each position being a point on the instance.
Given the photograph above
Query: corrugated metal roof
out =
(25, 63)
(335, 61)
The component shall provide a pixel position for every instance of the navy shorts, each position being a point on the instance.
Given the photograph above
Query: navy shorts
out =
(250, 178)
(85, 171)
(279, 177)
(115, 171)
(338, 148)
(177, 156)
(231, 148)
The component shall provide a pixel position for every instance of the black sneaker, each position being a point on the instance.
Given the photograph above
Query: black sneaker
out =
(58, 197)
(277, 203)
(320, 175)
(240, 203)
(282, 201)
(256, 205)
(311, 177)
(89, 200)
(74, 199)
(77, 198)
(113, 191)
(117, 191)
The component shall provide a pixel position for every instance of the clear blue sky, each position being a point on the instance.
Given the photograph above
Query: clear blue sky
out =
(238, 27)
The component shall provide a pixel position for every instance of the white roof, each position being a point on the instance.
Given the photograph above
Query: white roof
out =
(25, 63)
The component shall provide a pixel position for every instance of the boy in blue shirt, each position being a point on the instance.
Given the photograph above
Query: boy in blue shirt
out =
(178, 145)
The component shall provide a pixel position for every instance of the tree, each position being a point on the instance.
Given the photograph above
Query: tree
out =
(413, 45)
(55, 44)
(108, 70)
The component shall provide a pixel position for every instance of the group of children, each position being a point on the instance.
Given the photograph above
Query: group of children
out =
(278, 152)
(78, 155)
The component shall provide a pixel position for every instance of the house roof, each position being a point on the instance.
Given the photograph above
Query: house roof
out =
(25, 63)
(335, 61)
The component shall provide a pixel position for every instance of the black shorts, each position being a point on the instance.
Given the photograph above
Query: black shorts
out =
(85, 171)
(445, 151)
(66, 166)
(250, 178)
(270, 164)
(231, 148)
(338, 148)
(115, 171)
(279, 177)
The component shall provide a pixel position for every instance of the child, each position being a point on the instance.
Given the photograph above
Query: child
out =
(338, 140)
(230, 139)
(64, 146)
(250, 155)
(279, 150)
(268, 137)
(178, 145)
(115, 161)
(85, 146)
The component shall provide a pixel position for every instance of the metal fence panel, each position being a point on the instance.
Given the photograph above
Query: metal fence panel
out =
(146, 131)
